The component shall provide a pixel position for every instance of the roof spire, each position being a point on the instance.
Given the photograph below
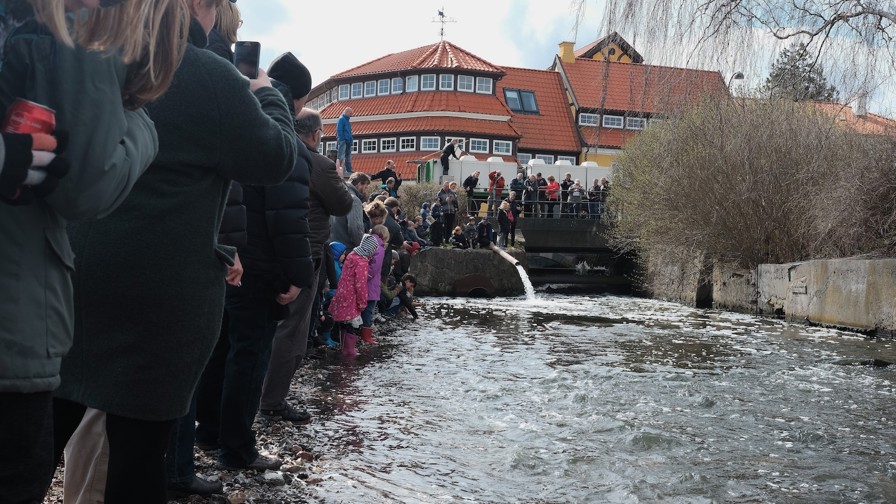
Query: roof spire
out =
(443, 19)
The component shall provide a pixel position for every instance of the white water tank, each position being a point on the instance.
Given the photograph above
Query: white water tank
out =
(468, 157)
(535, 161)
(563, 162)
(495, 159)
(589, 164)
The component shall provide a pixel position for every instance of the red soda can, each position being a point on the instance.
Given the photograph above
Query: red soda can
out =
(25, 116)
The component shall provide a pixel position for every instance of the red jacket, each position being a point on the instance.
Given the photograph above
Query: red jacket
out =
(497, 185)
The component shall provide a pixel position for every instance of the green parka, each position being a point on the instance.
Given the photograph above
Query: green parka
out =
(109, 149)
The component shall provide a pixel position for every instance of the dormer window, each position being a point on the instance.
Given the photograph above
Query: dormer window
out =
(446, 82)
(383, 87)
(428, 82)
(484, 85)
(370, 88)
(611, 121)
(465, 83)
(635, 123)
(586, 119)
(357, 90)
(411, 83)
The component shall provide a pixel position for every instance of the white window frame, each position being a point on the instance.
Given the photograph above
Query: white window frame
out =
(547, 158)
(571, 159)
(461, 142)
(424, 78)
(354, 146)
(357, 90)
(635, 123)
(383, 87)
(412, 83)
(385, 144)
(344, 91)
(320, 148)
(397, 85)
(485, 85)
(473, 147)
(612, 121)
(502, 147)
(446, 82)
(587, 119)
(330, 146)
(407, 144)
(466, 83)
(523, 158)
(368, 145)
(369, 88)
(433, 142)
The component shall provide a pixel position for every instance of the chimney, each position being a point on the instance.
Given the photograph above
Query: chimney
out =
(566, 52)
(862, 106)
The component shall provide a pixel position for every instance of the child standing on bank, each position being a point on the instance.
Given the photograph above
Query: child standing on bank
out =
(351, 294)
(374, 278)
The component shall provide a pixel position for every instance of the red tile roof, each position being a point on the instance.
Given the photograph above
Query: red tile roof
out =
(552, 128)
(441, 55)
(614, 38)
(638, 88)
(606, 137)
(433, 125)
(868, 124)
(420, 101)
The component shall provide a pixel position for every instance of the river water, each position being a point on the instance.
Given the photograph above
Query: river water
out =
(604, 399)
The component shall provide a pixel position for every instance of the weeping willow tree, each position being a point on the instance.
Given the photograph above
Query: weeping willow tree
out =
(854, 36)
(754, 181)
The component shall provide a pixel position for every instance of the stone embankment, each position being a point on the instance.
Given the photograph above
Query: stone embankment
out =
(858, 294)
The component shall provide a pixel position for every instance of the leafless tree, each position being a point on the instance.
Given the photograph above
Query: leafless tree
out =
(854, 35)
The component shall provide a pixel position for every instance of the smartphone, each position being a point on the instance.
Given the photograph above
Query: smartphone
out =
(246, 57)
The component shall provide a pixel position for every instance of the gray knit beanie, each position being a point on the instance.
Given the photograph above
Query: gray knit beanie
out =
(367, 247)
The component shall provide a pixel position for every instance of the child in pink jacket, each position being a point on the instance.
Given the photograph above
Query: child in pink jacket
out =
(351, 294)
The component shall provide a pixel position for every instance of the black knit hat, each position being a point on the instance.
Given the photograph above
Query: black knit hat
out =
(287, 69)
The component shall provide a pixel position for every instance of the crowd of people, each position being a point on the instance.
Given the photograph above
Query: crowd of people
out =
(182, 249)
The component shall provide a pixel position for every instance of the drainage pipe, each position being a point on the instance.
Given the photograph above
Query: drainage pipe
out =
(503, 254)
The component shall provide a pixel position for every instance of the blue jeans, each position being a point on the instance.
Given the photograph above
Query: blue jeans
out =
(344, 154)
(367, 314)
(252, 315)
(594, 209)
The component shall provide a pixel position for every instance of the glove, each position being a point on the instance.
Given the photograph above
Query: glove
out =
(31, 167)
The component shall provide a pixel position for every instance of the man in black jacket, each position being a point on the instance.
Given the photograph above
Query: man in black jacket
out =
(387, 173)
(470, 184)
(329, 196)
(277, 266)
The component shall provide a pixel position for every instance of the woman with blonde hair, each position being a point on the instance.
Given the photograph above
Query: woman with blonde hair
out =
(65, 64)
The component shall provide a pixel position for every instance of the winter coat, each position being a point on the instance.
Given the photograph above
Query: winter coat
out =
(329, 197)
(496, 184)
(233, 223)
(484, 233)
(531, 193)
(149, 288)
(564, 189)
(349, 228)
(448, 201)
(351, 294)
(517, 186)
(503, 221)
(552, 191)
(385, 174)
(459, 241)
(278, 251)
(374, 272)
(575, 193)
(109, 148)
(470, 184)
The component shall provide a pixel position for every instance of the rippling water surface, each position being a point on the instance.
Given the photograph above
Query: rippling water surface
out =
(607, 399)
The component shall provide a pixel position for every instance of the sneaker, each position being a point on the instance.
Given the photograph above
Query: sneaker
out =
(288, 413)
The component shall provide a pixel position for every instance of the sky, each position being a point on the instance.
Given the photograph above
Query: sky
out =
(332, 36)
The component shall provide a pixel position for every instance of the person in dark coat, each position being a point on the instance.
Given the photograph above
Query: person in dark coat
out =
(149, 287)
(450, 150)
(329, 196)
(469, 186)
(386, 173)
(484, 233)
(350, 228)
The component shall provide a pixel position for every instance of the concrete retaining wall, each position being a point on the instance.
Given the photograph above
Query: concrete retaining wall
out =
(450, 272)
(680, 278)
(851, 293)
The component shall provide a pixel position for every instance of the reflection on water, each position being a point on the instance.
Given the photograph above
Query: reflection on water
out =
(607, 399)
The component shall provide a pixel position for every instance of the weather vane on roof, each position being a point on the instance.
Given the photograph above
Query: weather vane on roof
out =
(443, 19)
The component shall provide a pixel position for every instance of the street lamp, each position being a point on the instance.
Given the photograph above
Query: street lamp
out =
(736, 76)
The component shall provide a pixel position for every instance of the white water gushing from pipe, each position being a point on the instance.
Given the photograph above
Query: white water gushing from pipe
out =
(530, 291)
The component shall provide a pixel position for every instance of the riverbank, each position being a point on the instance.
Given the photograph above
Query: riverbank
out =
(854, 293)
